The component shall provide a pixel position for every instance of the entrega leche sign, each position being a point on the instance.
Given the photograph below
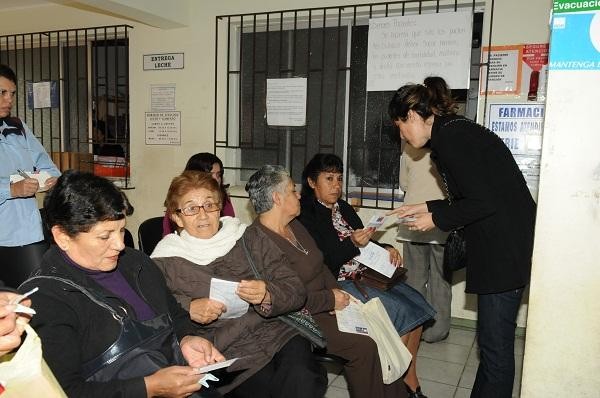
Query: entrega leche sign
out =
(163, 61)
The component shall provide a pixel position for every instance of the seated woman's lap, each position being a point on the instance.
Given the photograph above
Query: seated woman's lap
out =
(406, 307)
(293, 372)
(355, 348)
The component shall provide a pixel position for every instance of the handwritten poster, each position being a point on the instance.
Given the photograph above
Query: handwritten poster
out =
(286, 102)
(505, 70)
(409, 48)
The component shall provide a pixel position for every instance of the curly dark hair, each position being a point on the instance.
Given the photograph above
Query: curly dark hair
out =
(80, 200)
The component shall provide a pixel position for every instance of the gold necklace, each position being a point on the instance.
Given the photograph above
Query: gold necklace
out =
(295, 242)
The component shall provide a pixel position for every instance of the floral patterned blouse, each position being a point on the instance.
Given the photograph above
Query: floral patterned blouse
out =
(351, 269)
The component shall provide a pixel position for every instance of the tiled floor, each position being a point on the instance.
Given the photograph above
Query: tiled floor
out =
(445, 369)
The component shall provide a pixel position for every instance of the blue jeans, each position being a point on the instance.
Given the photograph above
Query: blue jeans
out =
(496, 323)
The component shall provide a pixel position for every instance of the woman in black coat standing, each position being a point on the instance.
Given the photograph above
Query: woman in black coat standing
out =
(488, 196)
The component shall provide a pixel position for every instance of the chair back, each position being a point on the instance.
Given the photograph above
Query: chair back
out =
(128, 239)
(149, 234)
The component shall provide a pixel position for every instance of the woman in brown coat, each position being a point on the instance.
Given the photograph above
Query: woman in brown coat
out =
(274, 359)
(277, 204)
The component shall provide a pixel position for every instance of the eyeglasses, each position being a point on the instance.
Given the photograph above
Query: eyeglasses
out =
(192, 210)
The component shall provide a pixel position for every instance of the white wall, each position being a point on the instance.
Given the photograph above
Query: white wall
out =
(515, 22)
(563, 335)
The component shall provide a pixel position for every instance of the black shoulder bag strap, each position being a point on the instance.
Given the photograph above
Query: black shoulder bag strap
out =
(301, 320)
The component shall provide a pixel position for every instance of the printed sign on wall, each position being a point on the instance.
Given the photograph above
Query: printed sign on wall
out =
(163, 128)
(575, 37)
(535, 71)
(163, 61)
(521, 126)
(286, 102)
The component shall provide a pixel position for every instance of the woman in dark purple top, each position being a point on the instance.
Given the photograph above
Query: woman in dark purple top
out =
(209, 163)
(108, 324)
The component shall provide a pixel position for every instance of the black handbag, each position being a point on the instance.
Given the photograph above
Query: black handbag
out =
(455, 252)
(142, 348)
(301, 320)
(455, 249)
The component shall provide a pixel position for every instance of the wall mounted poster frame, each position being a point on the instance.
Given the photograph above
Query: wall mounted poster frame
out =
(408, 48)
(521, 126)
(505, 70)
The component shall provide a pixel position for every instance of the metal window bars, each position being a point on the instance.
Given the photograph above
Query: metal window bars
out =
(327, 46)
(73, 92)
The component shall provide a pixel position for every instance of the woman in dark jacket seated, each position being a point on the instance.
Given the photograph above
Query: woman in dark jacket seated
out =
(339, 233)
(108, 324)
(274, 360)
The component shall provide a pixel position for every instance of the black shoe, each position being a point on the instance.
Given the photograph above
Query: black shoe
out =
(415, 394)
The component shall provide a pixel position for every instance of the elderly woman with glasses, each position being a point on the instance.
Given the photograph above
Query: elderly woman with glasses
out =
(275, 200)
(274, 360)
(210, 163)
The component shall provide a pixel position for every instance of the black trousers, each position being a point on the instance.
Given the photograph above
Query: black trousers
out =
(292, 373)
(18, 262)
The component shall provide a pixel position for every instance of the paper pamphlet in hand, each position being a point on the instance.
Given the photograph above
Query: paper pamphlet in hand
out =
(376, 221)
(42, 176)
(206, 378)
(218, 365)
(224, 291)
(377, 258)
(351, 320)
(404, 220)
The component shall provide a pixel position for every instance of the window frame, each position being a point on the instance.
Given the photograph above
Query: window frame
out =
(228, 149)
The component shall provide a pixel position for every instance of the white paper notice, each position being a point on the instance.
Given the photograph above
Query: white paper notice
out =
(218, 365)
(224, 291)
(505, 70)
(41, 95)
(351, 320)
(163, 128)
(286, 102)
(377, 258)
(42, 176)
(162, 97)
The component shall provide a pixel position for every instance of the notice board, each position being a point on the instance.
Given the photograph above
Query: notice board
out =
(407, 49)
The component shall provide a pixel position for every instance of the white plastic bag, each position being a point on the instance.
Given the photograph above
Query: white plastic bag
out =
(393, 354)
(26, 374)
